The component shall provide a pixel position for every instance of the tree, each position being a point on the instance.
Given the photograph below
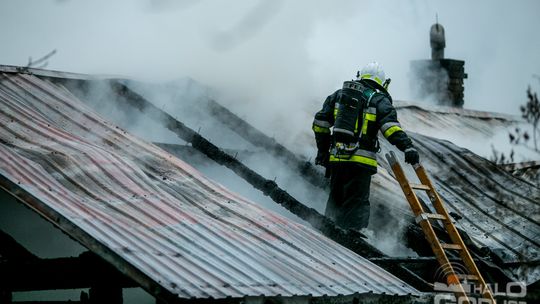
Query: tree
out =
(528, 170)
(531, 113)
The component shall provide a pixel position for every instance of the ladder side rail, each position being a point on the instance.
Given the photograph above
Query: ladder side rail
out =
(440, 254)
(452, 231)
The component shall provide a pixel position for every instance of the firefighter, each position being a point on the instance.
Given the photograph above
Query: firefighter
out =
(346, 134)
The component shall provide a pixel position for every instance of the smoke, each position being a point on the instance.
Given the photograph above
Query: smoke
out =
(429, 84)
(248, 26)
(273, 62)
(276, 61)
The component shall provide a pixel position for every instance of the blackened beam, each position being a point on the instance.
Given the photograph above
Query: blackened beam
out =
(347, 238)
(415, 240)
(85, 271)
(259, 139)
(177, 149)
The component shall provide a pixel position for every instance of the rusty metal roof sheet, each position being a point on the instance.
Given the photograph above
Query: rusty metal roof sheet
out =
(469, 184)
(491, 202)
(155, 217)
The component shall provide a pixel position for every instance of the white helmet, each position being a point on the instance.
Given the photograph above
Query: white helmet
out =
(373, 71)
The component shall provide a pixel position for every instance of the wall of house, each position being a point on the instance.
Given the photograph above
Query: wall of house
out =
(46, 241)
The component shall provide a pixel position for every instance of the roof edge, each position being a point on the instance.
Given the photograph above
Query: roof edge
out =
(399, 104)
(53, 73)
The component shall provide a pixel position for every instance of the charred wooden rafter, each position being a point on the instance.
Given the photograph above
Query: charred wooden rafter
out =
(349, 239)
(259, 139)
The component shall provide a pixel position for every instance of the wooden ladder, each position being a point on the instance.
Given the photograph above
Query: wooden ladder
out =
(423, 218)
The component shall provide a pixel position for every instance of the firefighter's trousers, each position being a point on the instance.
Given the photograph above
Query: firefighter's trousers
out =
(348, 203)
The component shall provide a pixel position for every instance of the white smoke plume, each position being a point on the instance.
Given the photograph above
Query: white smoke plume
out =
(275, 61)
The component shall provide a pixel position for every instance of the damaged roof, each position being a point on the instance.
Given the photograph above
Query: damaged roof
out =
(498, 212)
(156, 218)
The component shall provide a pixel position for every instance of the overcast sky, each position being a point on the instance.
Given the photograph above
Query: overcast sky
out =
(281, 52)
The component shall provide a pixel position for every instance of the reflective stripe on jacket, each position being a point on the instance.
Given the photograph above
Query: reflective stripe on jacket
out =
(378, 115)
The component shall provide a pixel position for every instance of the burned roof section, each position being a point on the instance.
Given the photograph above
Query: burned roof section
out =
(156, 218)
(495, 211)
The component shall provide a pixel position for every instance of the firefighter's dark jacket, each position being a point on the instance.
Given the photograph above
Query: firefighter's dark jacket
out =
(378, 114)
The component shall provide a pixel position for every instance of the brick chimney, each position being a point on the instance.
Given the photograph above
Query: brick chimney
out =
(439, 78)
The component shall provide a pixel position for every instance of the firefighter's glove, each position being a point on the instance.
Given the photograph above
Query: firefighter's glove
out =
(411, 156)
(322, 158)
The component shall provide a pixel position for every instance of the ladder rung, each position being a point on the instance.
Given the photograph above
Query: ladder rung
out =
(420, 187)
(418, 209)
(425, 216)
(452, 246)
(468, 277)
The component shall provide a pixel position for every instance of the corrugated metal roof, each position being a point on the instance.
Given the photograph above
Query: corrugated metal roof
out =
(492, 218)
(497, 210)
(491, 202)
(155, 217)
(500, 211)
(475, 130)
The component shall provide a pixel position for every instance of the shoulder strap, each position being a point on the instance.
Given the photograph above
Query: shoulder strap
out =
(379, 89)
(368, 95)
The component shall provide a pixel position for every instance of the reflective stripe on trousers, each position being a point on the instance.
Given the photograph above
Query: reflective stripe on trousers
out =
(359, 156)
